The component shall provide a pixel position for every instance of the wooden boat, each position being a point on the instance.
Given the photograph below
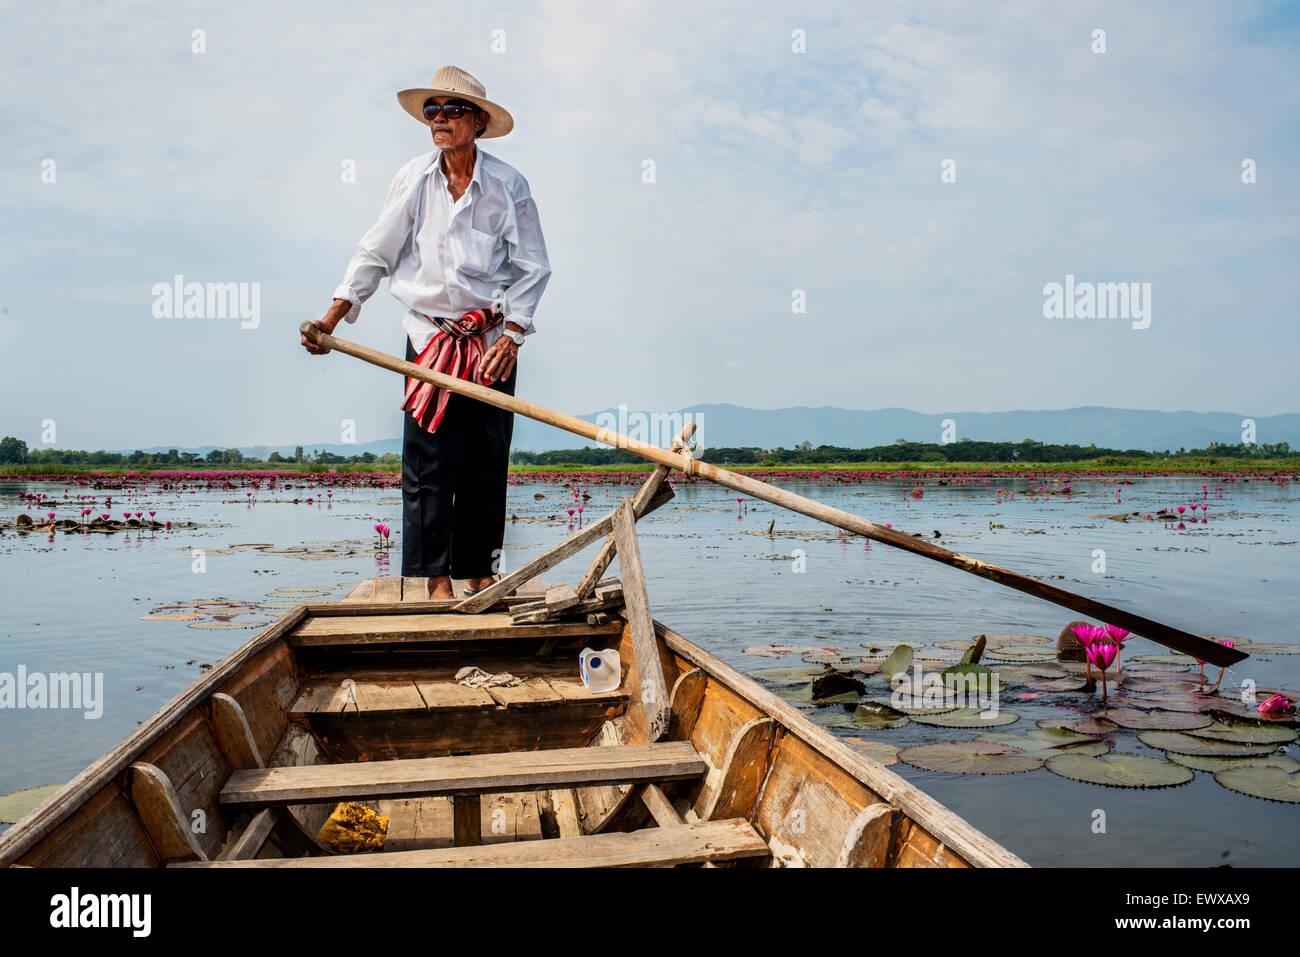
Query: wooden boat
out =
(686, 762)
(356, 702)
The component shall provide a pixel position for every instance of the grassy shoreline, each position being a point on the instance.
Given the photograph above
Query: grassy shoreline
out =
(1107, 465)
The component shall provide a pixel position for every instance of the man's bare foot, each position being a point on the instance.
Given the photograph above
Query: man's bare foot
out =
(478, 584)
(440, 587)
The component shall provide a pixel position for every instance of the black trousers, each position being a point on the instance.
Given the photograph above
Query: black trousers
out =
(454, 487)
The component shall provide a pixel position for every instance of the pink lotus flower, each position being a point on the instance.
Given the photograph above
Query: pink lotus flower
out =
(1087, 634)
(1117, 634)
(104, 516)
(1276, 703)
(1102, 653)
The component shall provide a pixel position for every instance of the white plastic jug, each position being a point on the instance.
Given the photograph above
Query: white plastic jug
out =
(600, 670)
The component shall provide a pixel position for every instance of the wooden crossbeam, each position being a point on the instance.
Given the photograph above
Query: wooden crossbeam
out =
(255, 834)
(464, 774)
(649, 669)
(643, 496)
(579, 540)
(391, 629)
(658, 846)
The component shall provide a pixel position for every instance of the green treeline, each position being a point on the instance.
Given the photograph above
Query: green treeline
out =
(965, 450)
(14, 452)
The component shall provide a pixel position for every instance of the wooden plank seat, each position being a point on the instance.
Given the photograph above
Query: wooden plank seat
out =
(336, 696)
(695, 843)
(463, 774)
(391, 629)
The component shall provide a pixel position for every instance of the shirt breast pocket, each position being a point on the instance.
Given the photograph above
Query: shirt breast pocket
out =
(481, 253)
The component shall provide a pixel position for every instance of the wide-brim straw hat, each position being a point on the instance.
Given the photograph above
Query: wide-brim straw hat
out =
(453, 81)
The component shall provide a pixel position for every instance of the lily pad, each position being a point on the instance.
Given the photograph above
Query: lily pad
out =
(229, 625)
(172, 616)
(1047, 669)
(1155, 720)
(1201, 762)
(1019, 653)
(1046, 742)
(1274, 648)
(1187, 702)
(1016, 639)
(1250, 712)
(17, 805)
(1188, 744)
(919, 704)
(1057, 684)
(968, 718)
(1267, 782)
(1081, 725)
(1120, 770)
(899, 660)
(834, 685)
(1013, 674)
(870, 716)
(957, 645)
(788, 675)
(971, 679)
(886, 754)
(1247, 733)
(799, 693)
(1165, 659)
(882, 647)
(1137, 684)
(970, 757)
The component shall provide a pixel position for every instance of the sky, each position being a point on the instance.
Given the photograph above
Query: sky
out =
(800, 152)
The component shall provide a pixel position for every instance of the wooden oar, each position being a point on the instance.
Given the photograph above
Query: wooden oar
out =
(1187, 643)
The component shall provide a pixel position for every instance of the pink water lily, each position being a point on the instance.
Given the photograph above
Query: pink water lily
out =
(1227, 643)
(1087, 634)
(1118, 635)
(1102, 653)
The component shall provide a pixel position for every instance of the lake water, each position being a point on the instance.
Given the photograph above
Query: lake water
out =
(74, 602)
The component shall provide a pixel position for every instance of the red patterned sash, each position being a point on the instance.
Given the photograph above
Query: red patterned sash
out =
(454, 351)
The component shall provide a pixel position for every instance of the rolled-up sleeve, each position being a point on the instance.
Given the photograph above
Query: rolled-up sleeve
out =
(528, 260)
(380, 248)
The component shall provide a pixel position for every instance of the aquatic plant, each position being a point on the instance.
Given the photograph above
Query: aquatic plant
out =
(1101, 652)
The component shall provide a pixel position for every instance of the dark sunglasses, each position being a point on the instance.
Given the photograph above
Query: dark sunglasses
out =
(453, 111)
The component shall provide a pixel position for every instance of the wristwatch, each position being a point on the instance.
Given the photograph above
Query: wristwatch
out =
(518, 337)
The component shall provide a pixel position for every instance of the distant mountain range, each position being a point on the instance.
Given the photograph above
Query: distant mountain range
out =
(721, 425)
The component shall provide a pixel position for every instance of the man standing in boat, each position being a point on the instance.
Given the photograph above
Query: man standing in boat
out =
(460, 239)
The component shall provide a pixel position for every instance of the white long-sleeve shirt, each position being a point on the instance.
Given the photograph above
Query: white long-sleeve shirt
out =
(445, 258)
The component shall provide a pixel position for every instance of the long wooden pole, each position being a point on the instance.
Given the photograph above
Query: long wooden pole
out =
(1194, 645)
